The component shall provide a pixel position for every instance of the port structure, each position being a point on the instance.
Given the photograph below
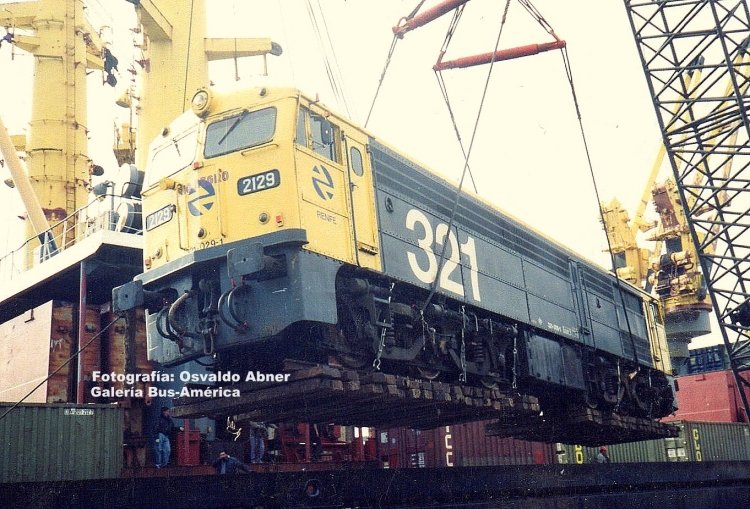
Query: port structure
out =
(708, 143)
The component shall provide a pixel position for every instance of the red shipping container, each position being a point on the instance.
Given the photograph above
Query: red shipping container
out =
(709, 397)
(462, 445)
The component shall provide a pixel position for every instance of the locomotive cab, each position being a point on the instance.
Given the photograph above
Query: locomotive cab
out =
(242, 196)
(218, 174)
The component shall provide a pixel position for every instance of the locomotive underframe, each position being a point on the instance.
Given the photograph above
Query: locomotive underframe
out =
(382, 321)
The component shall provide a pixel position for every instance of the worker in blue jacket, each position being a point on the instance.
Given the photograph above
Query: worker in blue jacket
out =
(227, 465)
(162, 430)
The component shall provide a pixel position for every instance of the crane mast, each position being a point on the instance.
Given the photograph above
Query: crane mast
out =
(708, 144)
(64, 46)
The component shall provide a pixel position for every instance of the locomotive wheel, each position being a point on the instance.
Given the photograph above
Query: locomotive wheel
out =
(489, 383)
(428, 374)
(351, 335)
(641, 395)
(590, 400)
(352, 360)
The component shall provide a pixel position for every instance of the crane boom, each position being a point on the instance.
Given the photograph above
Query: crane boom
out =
(710, 153)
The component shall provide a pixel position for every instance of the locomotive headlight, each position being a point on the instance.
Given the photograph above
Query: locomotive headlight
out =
(201, 102)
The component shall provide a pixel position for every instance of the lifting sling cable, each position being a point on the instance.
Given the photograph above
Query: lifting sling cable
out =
(618, 282)
(444, 91)
(441, 260)
(396, 37)
(538, 17)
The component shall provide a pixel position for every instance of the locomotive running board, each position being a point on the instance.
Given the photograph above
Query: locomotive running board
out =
(319, 393)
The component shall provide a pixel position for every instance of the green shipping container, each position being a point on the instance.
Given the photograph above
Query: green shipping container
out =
(698, 441)
(54, 442)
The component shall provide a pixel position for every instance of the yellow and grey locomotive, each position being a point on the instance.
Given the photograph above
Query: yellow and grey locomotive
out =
(275, 228)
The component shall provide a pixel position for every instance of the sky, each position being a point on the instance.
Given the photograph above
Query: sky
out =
(528, 157)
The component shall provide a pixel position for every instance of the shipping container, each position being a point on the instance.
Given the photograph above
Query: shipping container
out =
(709, 397)
(38, 343)
(56, 442)
(706, 359)
(697, 441)
(463, 445)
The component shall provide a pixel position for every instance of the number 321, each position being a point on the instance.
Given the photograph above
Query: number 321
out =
(416, 217)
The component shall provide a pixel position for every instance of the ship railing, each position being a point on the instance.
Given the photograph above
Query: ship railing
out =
(97, 216)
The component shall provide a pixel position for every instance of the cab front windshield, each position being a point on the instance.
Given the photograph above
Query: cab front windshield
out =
(240, 131)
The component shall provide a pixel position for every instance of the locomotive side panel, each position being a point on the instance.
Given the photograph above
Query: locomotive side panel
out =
(551, 302)
(519, 275)
(600, 301)
(633, 331)
(410, 254)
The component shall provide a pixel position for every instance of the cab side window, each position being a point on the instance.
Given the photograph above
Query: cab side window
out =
(301, 137)
(318, 134)
(355, 158)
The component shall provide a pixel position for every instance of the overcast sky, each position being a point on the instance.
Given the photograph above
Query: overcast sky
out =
(528, 159)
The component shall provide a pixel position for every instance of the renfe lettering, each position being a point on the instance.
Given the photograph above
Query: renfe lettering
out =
(330, 218)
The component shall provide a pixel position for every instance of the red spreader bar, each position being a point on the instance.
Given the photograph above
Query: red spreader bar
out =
(506, 54)
(427, 16)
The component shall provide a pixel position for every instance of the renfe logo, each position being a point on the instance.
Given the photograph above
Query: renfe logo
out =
(202, 198)
(323, 183)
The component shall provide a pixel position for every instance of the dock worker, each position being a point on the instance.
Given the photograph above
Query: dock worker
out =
(162, 447)
(602, 457)
(227, 465)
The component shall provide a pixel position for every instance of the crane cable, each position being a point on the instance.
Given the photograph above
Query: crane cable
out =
(441, 83)
(187, 56)
(537, 16)
(332, 68)
(337, 66)
(467, 155)
(618, 281)
(566, 61)
(569, 74)
(388, 60)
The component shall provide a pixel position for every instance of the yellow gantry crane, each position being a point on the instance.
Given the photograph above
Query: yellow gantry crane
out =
(64, 47)
(176, 55)
(674, 275)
